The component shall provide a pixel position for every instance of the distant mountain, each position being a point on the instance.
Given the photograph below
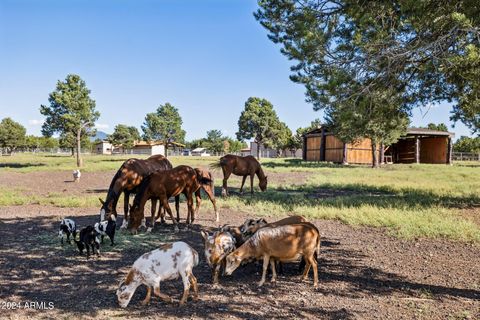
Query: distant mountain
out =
(99, 136)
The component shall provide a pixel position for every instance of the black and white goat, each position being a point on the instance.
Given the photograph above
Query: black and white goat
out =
(106, 228)
(67, 227)
(88, 239)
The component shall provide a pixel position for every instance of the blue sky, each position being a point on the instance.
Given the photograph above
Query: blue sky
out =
(205, 57)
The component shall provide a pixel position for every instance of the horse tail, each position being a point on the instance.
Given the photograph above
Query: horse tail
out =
(218, 164)
(204, 180)
(318, 247)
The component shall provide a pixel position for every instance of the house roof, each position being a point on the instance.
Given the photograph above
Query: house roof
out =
(147, 143)
(199, 150)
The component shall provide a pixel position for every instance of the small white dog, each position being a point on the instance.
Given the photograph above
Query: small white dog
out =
(76, 175)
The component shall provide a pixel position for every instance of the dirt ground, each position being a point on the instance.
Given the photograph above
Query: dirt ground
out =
(364, 273)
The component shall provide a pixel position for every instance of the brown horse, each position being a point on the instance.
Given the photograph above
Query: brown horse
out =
(241, 166)
(164, 185)
(126, 180)
(209, 190)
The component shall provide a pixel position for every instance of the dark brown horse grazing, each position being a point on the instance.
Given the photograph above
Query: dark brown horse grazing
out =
(241, 166)
(126, 180)
(163, 185)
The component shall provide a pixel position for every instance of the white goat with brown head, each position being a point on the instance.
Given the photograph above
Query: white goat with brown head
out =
(165, 263)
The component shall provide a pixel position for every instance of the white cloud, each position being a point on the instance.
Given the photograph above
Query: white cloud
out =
(101, 126)
(35, 122)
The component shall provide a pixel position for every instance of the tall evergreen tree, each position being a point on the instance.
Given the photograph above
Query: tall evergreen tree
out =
(71, 112)
(258, 121)
(165, 124)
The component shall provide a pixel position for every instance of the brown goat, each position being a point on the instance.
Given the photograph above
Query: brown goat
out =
(248, 231)
(284, 243)
(163, 185)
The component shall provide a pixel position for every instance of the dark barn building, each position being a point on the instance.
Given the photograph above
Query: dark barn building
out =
(419, 145)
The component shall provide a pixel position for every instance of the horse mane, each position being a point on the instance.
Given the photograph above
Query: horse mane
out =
(260, 173)
(111, 195)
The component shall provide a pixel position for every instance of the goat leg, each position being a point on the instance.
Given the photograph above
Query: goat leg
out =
(164, 297)
(216, 271)
(274, 273)
(186, 287)
(193, 282)
(147, 297)
(266, 261)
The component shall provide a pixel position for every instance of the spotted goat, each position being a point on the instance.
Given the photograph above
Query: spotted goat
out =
(217, 246)
(67, 228)
(106, 228)
(167, 262)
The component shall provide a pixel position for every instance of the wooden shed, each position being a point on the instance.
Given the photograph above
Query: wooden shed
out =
(417, 146)
(422, 145)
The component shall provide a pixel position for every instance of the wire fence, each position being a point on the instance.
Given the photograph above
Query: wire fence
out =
(466, 156)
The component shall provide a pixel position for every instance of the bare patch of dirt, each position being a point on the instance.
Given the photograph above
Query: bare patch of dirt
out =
(364, 274)
(46, 182)
(472, 214)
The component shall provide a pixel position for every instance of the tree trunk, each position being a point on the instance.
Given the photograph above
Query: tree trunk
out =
(258, 150)
(382, 153)
(73, 151)
(79, 146)
(417, 150)
(374, 155)
(344, 154)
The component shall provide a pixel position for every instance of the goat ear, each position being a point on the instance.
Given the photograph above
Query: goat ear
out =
(204, 234)
(101, 201)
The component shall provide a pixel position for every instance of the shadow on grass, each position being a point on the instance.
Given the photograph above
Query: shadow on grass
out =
(35, 267)
(18, 165)
(356, 195)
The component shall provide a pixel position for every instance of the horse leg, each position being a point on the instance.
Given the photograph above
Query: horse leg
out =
(226, 175)
(166, 206)
(190, 216)
(198, 200)
(243, 182)
(177, 207)
(126, 199)
(211, 196)
(251, 182)
(161, 213)
(152, 213)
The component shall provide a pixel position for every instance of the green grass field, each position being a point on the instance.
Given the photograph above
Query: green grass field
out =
(409, 201)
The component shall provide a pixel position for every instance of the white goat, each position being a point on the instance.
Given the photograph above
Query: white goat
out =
(76, 175)
(165, 263)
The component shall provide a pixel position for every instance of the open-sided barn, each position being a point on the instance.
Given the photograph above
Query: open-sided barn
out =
(419, 145)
